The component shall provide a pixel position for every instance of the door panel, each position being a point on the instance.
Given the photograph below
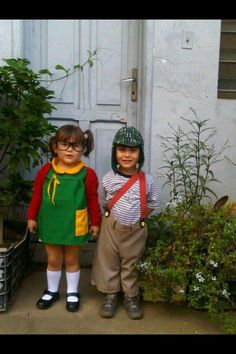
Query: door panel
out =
(53, 54)
(109, 40)
(98, 99)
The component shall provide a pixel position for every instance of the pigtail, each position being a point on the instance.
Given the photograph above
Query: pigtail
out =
(89, 142)
(51, 145)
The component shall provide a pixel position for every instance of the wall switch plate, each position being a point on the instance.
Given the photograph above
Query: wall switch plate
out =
(187, 40)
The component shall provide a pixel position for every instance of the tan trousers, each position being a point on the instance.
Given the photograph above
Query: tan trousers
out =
(118, 248)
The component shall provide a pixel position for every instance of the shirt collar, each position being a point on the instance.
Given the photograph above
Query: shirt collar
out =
(70, 171)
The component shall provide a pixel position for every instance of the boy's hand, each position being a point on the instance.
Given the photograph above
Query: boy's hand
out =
(94, 231)
(32, 226)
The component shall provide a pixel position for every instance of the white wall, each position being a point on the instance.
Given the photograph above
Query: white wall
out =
(11, 39)
(183, 78)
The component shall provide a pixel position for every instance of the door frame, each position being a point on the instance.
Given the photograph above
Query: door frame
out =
(146, 81)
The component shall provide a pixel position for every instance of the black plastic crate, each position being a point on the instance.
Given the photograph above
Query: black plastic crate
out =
(14, 263)
(5, 268)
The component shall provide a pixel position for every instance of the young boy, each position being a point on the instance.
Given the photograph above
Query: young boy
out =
(128, 196)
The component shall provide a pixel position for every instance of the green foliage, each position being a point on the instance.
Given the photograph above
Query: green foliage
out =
(23, 128)
(24, 102)
(191, 255)
(69, 71)
(189, 157)
(191, 247)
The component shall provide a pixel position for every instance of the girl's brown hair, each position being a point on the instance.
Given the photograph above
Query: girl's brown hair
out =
(68, 131)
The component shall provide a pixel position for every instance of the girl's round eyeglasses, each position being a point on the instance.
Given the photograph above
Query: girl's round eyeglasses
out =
(64, 145)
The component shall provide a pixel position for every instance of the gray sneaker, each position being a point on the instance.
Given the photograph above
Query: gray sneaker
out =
(132, 307)
(108, 307)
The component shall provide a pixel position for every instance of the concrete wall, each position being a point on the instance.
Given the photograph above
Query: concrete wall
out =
(183, 78)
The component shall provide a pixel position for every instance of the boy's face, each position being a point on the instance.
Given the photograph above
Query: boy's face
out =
(127, 158)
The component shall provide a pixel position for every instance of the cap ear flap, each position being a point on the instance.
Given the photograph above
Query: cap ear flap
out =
(113, 158)
(141, 159)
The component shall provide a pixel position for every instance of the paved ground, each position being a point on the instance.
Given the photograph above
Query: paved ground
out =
(24, 318)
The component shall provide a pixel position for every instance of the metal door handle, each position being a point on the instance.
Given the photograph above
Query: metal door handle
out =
(129, 79)
(134, 84)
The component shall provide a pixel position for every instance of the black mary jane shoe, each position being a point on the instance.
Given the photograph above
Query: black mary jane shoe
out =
(45, 304)
(73, 306)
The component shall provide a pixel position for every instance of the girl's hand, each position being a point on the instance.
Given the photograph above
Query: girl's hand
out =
(32, 226)
(94, 231)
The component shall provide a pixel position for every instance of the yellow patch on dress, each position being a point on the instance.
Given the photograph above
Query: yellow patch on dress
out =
(81, 222)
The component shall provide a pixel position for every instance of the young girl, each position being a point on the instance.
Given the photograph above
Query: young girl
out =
(128, 195)
(64, 210)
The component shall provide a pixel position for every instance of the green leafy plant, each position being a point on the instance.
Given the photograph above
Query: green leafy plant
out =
(191, 257)
(189, 157)
(191, 247)
(23, 127)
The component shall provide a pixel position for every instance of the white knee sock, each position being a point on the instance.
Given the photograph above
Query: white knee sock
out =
(72, 279)
(53, 280)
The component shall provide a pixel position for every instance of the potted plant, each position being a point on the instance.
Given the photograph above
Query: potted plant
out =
(191, 248)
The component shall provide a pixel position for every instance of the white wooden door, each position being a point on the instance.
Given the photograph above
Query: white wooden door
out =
(99, 100)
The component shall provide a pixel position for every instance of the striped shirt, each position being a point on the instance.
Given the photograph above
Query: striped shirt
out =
(127, 209)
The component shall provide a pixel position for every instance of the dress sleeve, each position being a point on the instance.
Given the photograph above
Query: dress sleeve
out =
(37, 192)
(91, 187)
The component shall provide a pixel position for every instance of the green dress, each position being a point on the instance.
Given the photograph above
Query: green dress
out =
(63, 214)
